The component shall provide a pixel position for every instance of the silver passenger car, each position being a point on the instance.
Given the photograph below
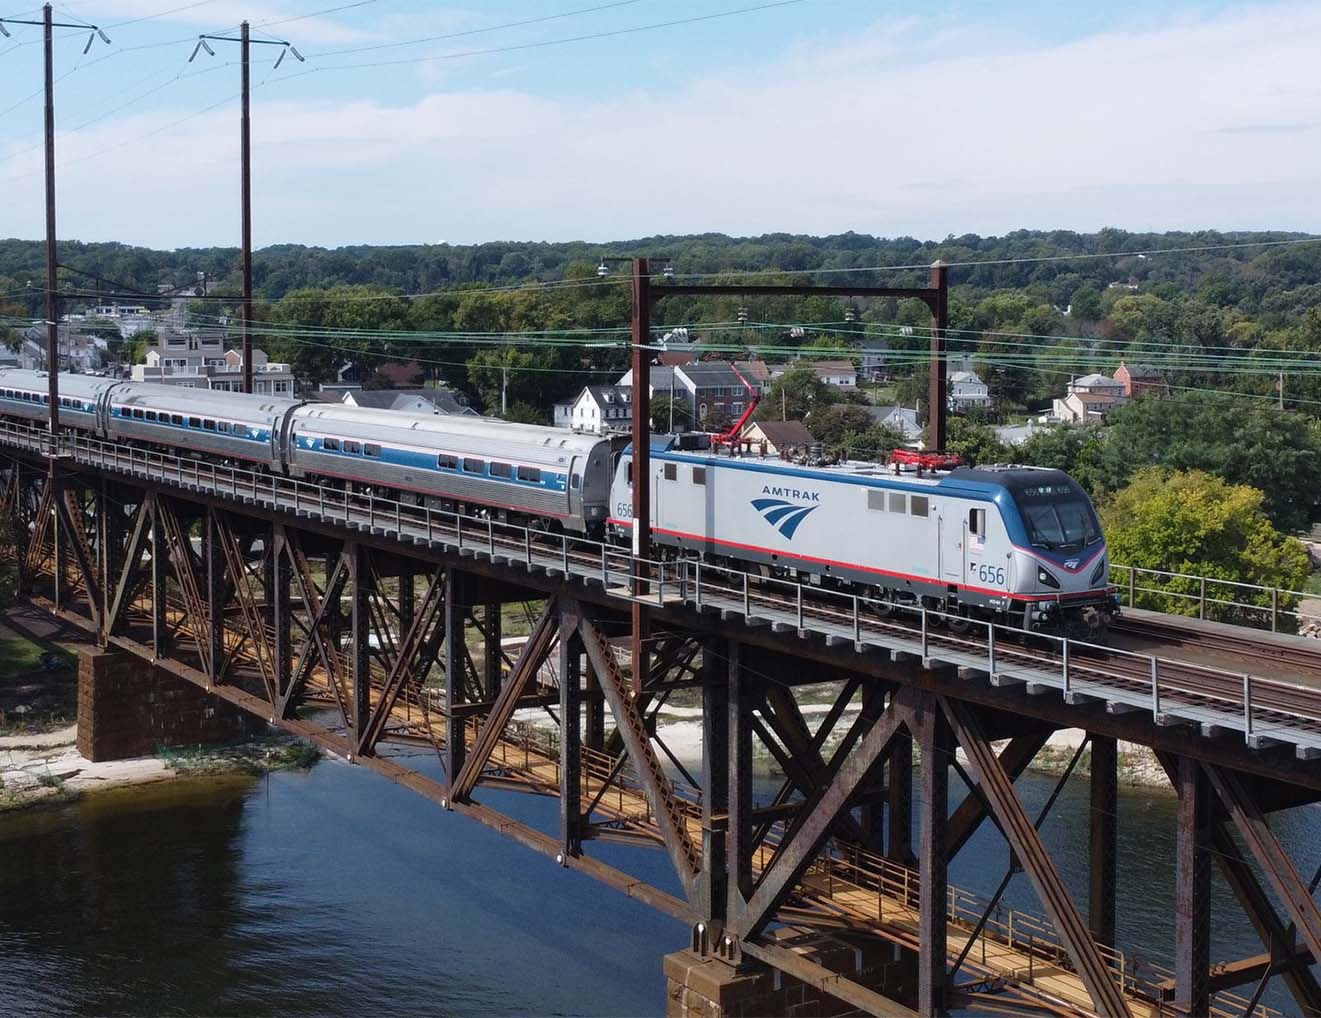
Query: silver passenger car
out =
(522, 469)
(26, 394)
(228, 424)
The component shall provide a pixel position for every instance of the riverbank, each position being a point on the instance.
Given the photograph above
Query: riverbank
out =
(36, 769)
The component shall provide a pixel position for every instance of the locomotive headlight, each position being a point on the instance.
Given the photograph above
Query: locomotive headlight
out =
(1046, 579)
(1099, 573)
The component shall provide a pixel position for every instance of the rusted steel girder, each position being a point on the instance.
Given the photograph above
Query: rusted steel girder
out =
(565, 624)
(1192, 883)
(1103, 839)
(413, 657)
(670, 818)
(932, 732)
(536, 650)
(1015, 758)
(320, 638)
(1091, 968)
(810, 828)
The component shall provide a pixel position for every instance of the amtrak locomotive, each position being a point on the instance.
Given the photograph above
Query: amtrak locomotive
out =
(1019, 543)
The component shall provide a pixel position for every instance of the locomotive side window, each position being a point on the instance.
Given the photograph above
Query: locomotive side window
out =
(977, 522)
(501, 470)
(699, 475)
(671, 471)
(898, 502)
(876, 500)
(919, 505)
(473, 466)
(331, 445)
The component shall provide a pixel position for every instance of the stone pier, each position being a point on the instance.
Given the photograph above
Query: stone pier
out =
(128, 708)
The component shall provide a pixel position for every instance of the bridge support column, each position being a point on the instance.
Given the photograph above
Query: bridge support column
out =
(493, 668)
(899, 809)
(458, 599)
(571, 754)
(936, 747)
(594, 723)
(127, 708)
(713, 885)
(1103, 840)
(1192, 896)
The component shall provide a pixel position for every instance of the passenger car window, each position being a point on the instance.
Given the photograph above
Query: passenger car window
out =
(353, 447)
(473, 466)
(447, 462)
(530, 474)
(194, 422)
(331, 445)
(501, 470)
(371, 449)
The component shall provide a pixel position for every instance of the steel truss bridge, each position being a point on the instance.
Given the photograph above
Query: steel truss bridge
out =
(363, 623)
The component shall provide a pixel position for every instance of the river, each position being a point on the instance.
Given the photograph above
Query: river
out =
(335, 892)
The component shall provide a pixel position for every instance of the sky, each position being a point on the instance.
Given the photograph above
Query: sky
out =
(417, 122)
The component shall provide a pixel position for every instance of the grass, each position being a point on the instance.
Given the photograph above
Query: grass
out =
(20, 656)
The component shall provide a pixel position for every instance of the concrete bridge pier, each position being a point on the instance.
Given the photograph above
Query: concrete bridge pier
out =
(128, 707)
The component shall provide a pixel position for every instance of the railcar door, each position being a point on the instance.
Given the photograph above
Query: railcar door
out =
(974, 545)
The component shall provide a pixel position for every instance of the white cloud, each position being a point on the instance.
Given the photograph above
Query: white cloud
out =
(1198, 123)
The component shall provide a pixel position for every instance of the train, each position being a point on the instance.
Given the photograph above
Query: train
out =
(1009, 543)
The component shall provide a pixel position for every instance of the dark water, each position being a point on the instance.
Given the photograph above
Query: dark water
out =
(336, 892)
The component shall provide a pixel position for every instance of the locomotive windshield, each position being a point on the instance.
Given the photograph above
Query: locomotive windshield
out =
(1058, 516)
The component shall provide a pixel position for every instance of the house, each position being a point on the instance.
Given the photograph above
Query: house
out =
(562, 413)
(603, 409)
(875, 366)
(779, 438)
(966, 391)
(438, 400)
(1140, 380)
(397, 375)
(1100, 385)
(199, 361)
(758, 373)
(663, 382)
(903, 419)
(1017, 434)
(78, 351)
(1083, 407)
(678, 347)
(841, 374)
(713, 388)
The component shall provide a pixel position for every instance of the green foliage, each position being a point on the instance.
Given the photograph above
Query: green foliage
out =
(975, 443)
(795, 394)
(1073, 448)
(1193, 523)
(671, 410)
(1278, 453)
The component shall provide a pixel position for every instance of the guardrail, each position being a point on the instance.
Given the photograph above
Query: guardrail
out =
(1216, 599)
(1260, 708)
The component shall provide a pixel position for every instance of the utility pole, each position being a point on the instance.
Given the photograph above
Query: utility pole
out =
(641, 651)
(48, 26)
(1281, 390)
(245, 42)
(939, 385)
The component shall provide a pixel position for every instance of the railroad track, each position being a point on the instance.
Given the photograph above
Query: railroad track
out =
(1303, 661)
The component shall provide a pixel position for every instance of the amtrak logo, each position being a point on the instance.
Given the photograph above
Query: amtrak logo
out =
(1071, 564)
(783, 516)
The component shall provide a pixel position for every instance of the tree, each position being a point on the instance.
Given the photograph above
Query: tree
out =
(1193, 523)
(1276, 452)
(1072, 448)
(831, 424)
(794, 395)
(975, 443)
(671, 413)
(716, 421)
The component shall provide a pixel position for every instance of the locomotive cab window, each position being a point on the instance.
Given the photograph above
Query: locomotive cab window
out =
(918, 505)
(977, 522)
(473, 466)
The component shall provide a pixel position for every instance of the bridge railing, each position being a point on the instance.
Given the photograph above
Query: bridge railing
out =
(1257, 707)
(1278, 609)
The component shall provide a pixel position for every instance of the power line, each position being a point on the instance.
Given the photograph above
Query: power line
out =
(478, 31)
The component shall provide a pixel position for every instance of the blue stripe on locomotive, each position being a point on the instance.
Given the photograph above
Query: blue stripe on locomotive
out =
(427, 461)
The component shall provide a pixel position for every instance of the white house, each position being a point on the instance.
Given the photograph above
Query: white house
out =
(903, 419)
(601, 409)
(201, 362)
(967, 391)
